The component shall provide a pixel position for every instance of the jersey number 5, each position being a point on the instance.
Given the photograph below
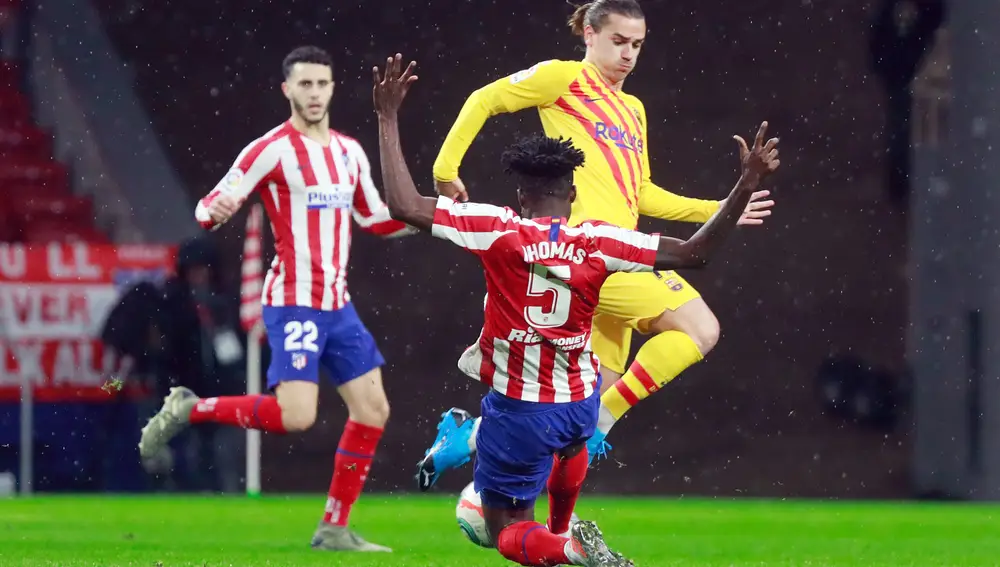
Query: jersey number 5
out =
(307, 332)
(541, 283)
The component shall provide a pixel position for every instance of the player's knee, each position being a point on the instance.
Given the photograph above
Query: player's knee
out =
(298, 419)
(297, 413)
(509, 541)
(695, 320)
(374, 411)
(380, 412)
(705, 333)
(298, 401)
(509, 548)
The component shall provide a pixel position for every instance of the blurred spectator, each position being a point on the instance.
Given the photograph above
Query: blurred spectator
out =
(187, 334)
(205, 352)
(902, 32)
(8, 29)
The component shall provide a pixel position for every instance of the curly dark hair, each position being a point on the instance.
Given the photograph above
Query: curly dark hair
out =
(306, 54)
(543, 165)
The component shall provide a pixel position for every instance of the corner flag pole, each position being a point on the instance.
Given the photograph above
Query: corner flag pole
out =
(27, 448)
(254, 339)
(251, 286)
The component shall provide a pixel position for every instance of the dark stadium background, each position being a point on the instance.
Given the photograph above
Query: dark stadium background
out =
(824, 276)
(857, 324)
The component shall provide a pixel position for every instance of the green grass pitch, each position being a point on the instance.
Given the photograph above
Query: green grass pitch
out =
(274, 531)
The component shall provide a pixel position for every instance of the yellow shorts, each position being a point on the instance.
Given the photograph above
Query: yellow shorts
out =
(626, 301)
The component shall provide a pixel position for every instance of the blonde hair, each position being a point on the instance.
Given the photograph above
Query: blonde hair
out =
(595, 14)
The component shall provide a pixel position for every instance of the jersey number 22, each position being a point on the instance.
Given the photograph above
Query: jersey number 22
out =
(301, 335)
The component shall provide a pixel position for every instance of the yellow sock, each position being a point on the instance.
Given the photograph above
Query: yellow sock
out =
(659, 361)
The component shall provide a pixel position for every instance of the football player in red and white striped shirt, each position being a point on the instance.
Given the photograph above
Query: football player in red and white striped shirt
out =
(312, 181)
(543, 280)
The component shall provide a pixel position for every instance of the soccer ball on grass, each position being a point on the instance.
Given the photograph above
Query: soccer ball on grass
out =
(469, 513)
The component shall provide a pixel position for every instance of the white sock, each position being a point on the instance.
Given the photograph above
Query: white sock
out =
(573, 554)
(472, 438)
(605, 421)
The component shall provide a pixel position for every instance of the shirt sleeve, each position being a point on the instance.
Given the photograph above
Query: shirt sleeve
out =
(624, 250)
(539, 85)
(656, 202)
(474, 226)
(368, 209)
(251, 169)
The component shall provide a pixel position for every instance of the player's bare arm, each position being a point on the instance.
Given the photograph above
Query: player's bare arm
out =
(758, 162)
(659, 203)
(405, 203)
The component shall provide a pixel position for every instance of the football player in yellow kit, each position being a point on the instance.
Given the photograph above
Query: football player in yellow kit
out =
(584, 102)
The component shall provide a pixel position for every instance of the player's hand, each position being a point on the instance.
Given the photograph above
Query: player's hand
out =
(757, 209)
(761, 160)
(222, 208)
(454, 190)
(390, 89)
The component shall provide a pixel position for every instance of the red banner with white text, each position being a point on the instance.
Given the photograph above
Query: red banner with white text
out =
(54, 299)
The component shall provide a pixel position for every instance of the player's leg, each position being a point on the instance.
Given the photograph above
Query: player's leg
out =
(354, 363)
(685, 331)
(611, 340)
(368, 412)
(569, 470)
(519, 538)
(296, 340)
(516, 446)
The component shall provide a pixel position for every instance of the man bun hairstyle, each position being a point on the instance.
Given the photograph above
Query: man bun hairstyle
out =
(595, 14)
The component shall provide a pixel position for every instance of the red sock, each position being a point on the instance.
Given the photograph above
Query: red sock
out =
(350, 470)
(248, 412)
(564, 486)
(529, 543)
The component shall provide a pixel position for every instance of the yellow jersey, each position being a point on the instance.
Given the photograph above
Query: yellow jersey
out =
(575, 102)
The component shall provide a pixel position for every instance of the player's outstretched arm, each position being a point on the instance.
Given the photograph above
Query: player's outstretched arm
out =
(695, 252)
(405, 203)
(538, 85)
(656, 202)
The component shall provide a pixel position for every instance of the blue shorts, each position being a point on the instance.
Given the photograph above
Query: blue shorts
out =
(303, 338)
(517, 440)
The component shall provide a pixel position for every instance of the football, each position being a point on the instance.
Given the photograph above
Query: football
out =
(469, 513)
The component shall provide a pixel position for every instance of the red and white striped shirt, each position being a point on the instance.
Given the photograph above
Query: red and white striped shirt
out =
(309, 191)
(543, 280)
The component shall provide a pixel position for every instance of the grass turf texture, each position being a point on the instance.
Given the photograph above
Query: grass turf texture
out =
(274, 531)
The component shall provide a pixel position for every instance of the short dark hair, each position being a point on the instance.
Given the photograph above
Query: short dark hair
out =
(595, 14)
(306, 54)
(543, 166)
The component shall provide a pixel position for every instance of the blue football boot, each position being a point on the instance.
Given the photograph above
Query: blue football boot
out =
(451, 448)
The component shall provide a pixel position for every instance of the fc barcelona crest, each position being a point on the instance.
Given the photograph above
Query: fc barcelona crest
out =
(638, 115)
